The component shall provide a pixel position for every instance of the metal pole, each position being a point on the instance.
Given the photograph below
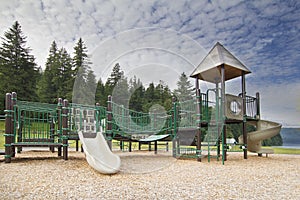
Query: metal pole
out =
(244, 114)
(59, 129)
(174, 140)
(97, 117)
(65, 128)
(257, 106)
(8, 131)
(199, 110)
(109, 121)
(224, 150)
(14, 121)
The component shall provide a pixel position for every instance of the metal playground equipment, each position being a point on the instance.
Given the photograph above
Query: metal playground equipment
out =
(196, 127)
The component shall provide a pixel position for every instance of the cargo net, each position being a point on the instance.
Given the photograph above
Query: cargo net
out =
(36, 123)
(130, 122)
(215, 122)
(187, 117)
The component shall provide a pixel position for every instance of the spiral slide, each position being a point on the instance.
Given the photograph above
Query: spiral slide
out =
(264, 130)
(98, 153)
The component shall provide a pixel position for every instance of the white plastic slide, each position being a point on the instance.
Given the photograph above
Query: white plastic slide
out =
(264, 130)
(99, 155)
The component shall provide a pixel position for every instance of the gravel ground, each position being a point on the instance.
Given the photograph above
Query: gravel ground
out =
(143, 175)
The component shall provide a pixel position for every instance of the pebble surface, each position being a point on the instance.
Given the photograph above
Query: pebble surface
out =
(144, 175)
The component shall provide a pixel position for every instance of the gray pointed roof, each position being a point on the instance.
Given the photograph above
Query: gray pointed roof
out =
(210, 67)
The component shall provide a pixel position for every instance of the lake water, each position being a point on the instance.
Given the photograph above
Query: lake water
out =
(290, 137)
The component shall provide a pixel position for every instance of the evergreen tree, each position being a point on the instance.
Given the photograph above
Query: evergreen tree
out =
(120, 92)
(167, 98)
(100, 93)
(184, 89)
(46, 90)
(113, 79)
(65, 74)
(137, 91)
(85, 83)
(150, 97)
(17, 66)
(57, 79)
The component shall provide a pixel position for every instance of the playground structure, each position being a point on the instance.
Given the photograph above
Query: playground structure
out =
(32, 124)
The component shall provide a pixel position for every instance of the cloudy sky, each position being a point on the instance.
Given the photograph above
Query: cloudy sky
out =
(158, 40)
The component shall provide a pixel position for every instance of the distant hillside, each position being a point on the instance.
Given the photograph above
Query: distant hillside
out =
(290, 136)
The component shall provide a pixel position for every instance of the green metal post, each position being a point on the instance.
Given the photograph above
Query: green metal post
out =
(174, 117)
(199, 112)
(109, 122)
(97, 117)
(59, 124)
(65, 111)
(52, 131)
(218, 118)
(14, 124)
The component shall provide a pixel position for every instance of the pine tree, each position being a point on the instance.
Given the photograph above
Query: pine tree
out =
(137, 91)
(100, 93)
(113, 79)
(150, 97)
(17, 66)
(91, 87)
(83, 91)
(120, 92)
(184, 89)
(46, 89)
(57, 79)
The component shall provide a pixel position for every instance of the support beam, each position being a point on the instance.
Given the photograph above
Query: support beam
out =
(8, 130)
(244, 114)
(199, 111)
(109, 122)
(14, 120)
(257, 106)
(224, 149)
(59, 130)
(174, 138)
(65, 111)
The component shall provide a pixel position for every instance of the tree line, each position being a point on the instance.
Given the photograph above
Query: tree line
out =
(63, 72)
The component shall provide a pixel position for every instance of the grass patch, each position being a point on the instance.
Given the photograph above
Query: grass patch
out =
(286, 151)
(279, 150)
(2, 129)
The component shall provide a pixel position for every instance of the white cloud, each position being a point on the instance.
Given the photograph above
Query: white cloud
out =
(264, 35)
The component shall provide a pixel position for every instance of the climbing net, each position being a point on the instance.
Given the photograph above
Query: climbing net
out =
(186, 114)
(132, 122)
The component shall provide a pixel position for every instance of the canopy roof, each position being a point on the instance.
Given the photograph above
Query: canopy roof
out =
(210, 67)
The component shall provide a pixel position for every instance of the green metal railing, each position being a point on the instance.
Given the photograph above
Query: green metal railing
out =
(42, 123)
(86, 118)
(36, 122)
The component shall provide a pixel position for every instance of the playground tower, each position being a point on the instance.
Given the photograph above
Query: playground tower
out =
(218, 67)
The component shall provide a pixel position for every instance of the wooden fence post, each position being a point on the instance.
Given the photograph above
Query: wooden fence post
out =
(8, 130)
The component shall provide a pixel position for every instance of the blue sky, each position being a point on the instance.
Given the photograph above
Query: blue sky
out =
(158, 40)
